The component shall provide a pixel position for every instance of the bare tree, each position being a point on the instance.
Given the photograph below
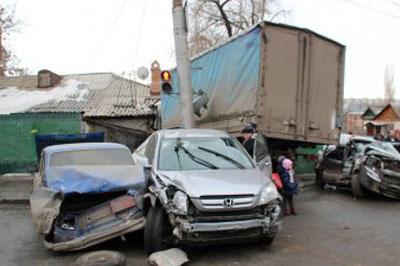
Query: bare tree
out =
(212, 21)
(8, 25)
(390, 88)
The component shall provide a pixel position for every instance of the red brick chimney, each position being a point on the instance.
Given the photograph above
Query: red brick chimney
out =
(47, 79)
(155, 79)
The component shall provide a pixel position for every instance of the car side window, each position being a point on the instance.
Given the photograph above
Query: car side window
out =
(261, 148)
(337, 154)
(150, 149)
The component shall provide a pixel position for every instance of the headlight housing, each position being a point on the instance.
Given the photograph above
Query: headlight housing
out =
(180, 202)
(373, 163)
(268, 193)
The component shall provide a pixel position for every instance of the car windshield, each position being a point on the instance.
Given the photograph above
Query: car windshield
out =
(360, 146)
(91, 158)
(201, 153)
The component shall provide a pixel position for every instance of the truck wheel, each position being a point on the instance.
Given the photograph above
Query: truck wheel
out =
(157, 230)
(319, 179)
(358, 190)
(102, 258)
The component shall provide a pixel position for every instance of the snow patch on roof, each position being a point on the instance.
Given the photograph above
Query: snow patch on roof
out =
(13, 100)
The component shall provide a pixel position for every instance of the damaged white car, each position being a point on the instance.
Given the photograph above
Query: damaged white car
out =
(203, 188)
(85, 194)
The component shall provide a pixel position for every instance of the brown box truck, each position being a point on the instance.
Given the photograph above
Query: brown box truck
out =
(287, 80)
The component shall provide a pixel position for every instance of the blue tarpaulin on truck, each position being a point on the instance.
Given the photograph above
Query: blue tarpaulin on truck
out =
(225, 82)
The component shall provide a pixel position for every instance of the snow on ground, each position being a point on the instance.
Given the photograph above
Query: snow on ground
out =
(13, 100)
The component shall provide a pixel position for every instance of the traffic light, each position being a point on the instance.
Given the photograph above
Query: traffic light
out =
(166, 79)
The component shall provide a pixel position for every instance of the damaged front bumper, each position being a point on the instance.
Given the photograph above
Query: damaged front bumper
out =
(96, 238)
(195, 231)
(386, 182)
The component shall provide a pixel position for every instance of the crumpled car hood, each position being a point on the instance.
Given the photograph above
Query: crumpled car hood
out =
(382, 153)
(217, 182)
(93, 179)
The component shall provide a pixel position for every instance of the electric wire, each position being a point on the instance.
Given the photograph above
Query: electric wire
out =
(109, 29)
(371, 8)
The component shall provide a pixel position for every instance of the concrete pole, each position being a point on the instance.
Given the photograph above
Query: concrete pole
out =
(1, 50)
(183, 63)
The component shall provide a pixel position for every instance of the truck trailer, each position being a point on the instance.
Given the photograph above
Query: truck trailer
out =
(285, 79)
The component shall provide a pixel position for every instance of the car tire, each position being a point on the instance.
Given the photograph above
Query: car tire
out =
(154, 231)
(358, 190)
(319, 179)
(102, 258)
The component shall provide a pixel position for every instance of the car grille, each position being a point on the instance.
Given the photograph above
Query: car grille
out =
(391, 180)
(199, 216)
(216, 202)
(392, 166)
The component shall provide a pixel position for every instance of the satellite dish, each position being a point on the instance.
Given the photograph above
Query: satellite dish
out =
(142, 73)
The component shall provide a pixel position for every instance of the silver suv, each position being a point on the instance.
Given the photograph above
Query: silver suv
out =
(203, 188)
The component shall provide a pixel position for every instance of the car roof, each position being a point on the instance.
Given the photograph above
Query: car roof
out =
(84, 146)
(193, 132)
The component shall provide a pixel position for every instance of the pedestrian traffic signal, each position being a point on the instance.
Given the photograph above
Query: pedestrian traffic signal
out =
(166, 79)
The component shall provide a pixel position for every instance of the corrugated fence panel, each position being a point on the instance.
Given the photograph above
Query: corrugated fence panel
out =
(305, 159)
(17, 131)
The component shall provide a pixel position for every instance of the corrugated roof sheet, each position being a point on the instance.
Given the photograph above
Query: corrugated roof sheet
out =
(109, 95)
(20, 82)
(121, 98)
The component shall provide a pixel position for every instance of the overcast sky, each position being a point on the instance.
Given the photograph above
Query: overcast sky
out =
(77, 36)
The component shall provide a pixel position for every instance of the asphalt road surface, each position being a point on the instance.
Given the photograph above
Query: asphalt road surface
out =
(332, 228)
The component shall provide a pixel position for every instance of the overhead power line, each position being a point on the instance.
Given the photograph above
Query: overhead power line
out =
(140, 30)
(110, 27)
(393, 2)
(371, 8)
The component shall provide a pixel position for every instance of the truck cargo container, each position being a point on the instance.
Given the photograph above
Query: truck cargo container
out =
(287, 80)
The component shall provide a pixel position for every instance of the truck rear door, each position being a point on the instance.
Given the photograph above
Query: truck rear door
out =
(301, 77)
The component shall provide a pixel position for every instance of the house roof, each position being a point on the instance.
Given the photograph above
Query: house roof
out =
(96, 94)
(361, 106)
(20, 82)
(396, 109)
(121, 98)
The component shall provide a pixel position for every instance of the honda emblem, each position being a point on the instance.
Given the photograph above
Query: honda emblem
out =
(228, 202)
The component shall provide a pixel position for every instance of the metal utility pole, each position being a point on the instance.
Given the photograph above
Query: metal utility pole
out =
(183, 63)
(1, 50)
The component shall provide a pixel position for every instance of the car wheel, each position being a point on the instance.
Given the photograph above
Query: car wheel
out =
(157, 231)
(319, 179)
(356, 187)
(102, 258)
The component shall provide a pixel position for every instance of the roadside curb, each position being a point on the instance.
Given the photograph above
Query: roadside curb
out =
(16, 177)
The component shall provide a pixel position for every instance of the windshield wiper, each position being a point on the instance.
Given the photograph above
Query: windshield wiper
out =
(227, 158)
(195, 158)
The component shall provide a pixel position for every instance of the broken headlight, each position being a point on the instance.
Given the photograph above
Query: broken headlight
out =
(180, 201)
(373, 163)
(268, 193)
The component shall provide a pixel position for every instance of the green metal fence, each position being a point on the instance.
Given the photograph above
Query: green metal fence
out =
(305, 159)
(17, 131)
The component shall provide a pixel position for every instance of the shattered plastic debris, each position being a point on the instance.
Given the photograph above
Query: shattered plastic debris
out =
(169, 257)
